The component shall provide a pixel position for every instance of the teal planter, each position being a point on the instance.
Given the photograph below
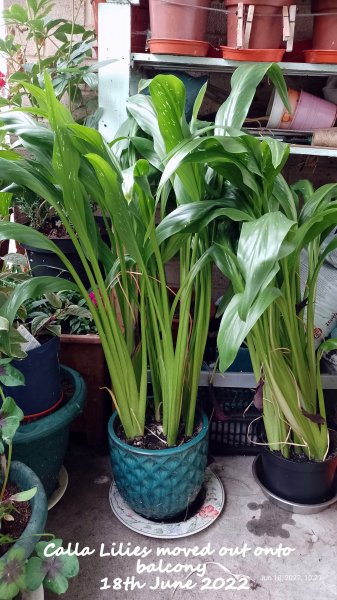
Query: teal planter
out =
(42, 444)
(26, 479)
(159, 484)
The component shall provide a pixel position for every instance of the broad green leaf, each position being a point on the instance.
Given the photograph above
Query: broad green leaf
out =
(168, 95)
(23, 496)
(261, 245)
(11, 376)
(244, 82)
(194, 217)
(233, 330)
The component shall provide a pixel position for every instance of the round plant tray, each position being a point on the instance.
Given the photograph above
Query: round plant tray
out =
(252, 54)
(207, 511)
(181, 47)
(62, 484)
(321, 56)
(293, 507)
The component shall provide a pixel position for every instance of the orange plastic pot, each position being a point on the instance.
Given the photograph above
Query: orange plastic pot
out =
(251, 54)
(180, 47)
(182, 21)
(321, 56)
(267, 26)
(325, 27)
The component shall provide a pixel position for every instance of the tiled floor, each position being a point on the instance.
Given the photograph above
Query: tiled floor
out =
(249, 525)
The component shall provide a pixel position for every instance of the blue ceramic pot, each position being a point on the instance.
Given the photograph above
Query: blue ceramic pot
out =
(159, 484)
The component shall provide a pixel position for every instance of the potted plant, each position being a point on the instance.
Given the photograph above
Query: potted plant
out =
(41, 441)
(266, 30)
(76, 166)
(80, 348)
(22, 493)
(167, 35)
(274, 225)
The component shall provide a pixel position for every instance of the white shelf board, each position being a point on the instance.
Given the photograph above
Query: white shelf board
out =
(167, 61)
(314, 151)
(247, 380)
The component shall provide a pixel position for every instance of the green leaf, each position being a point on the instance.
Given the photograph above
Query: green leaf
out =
(34, 573)
(261, 245)
(23, 496)
(233, 330)
(194, 217)
(244, 82)
(16, 13)
(10, 417)
(10, 376)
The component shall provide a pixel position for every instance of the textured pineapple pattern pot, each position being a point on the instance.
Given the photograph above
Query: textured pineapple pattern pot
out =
(159, 484)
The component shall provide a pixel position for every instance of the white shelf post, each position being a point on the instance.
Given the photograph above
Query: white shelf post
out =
(114, 42)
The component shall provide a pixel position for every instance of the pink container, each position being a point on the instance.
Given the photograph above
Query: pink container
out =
(309, 112)
(179, 20)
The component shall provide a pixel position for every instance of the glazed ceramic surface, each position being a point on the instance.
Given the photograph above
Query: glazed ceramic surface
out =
(208, 512)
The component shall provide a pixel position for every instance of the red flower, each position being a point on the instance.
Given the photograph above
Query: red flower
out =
(208, 511)
(2, 80)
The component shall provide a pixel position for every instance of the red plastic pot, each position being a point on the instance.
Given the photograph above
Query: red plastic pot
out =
(325, 27)
(267, 26)
(182, 21)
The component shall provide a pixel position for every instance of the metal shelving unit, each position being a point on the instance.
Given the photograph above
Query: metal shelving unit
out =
(219, 65)
(247, 380)
(119, 79)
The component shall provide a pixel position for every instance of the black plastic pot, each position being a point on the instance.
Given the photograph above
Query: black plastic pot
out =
(310, 482)
(43, 262)
(41, 370)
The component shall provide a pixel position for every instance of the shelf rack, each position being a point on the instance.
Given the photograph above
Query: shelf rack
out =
(220, 65)
(120, 78)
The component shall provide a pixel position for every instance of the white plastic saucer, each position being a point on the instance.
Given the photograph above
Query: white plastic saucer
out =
(208, 512)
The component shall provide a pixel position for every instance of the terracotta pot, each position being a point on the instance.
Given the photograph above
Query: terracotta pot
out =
(267, 26)
(180, 47)
(139, 23)
(325, 27)
(84, 353)
(252, 54)
(170, 21)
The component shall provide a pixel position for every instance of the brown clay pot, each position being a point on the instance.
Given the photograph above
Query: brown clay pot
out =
(170, 21)
(325, 27)
(84, 353)
(267, 26)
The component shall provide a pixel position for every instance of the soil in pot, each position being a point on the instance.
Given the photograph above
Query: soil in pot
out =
(22, 514)
(299, 479)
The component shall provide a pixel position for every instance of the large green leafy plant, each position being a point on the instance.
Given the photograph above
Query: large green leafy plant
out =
(72, 166)
(265, 305)
(60, 46)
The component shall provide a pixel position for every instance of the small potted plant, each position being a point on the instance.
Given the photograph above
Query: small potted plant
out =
(80, 348)
(23, 503)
